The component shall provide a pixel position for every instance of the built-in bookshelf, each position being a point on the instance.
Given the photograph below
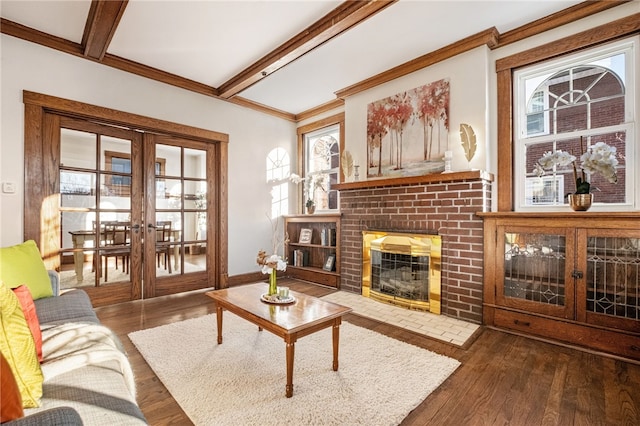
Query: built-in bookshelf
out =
(313, 247)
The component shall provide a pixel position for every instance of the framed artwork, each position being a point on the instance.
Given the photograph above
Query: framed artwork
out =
(408, 133)
(328, 264)
(305, 236)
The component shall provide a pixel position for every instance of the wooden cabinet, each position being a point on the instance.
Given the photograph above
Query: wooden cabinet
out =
(572, 277)
(316, 258)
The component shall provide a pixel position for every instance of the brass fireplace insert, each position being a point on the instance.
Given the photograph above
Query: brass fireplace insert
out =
(402, 268)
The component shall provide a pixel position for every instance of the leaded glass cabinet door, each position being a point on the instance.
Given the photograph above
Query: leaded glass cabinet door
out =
(537, 266)
(609, 292)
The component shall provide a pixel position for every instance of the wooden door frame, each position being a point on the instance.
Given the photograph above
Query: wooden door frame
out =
(41, 197)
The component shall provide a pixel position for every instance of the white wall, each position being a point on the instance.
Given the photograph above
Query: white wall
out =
(27, 66)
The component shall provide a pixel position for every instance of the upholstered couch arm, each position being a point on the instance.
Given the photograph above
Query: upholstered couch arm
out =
(59, 416)
(55, 282)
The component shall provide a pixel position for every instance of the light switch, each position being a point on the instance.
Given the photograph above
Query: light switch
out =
(8, 187)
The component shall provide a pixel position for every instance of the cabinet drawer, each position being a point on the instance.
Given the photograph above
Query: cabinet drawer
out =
(626, 345)
(316, 275)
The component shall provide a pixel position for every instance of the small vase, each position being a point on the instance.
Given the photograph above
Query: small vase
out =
(311, 209)
(580, 202)
(273, 283)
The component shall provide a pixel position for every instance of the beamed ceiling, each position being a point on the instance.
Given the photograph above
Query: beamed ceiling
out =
(287, 58)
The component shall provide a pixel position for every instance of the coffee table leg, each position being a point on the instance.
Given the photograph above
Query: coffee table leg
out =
(336, 342)
(291, 345)
(219, 318)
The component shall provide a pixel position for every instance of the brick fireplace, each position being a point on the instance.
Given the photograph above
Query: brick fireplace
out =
(442, 203)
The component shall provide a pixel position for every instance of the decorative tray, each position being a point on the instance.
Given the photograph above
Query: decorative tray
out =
(277, 300)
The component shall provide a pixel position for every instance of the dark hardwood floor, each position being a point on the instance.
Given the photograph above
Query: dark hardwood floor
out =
(504, 379)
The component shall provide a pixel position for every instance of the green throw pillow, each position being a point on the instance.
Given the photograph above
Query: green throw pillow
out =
(22, 264)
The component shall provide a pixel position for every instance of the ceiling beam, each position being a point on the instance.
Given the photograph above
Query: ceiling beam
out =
(343, 17)
(102, 21)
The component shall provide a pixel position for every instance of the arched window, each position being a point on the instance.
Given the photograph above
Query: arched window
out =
(278, 169)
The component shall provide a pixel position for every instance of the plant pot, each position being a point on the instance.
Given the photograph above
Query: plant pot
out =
(311, 209)
(580, 202)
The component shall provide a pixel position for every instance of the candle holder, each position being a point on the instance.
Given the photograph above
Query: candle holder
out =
(448, 156)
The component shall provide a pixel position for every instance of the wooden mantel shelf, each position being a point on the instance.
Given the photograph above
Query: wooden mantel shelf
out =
(561, 215)
(412, 180)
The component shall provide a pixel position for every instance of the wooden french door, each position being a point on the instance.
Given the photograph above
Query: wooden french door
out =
(121, 213)
(100, 209)
(134, 212)
(179, 220)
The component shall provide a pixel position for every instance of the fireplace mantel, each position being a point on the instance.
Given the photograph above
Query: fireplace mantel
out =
(413, 180)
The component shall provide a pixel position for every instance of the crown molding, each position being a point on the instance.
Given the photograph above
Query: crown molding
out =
(327, 106)
(490, 37)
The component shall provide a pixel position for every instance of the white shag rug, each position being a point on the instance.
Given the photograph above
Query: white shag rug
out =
(242, 381)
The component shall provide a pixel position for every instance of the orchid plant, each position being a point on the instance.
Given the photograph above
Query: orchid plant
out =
(270, 262)
(312, 182)
(599, 158)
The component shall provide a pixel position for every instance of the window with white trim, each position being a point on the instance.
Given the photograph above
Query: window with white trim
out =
(570, 104)
(322, 165)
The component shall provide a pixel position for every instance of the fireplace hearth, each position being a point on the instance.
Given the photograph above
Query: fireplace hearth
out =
(402, 269)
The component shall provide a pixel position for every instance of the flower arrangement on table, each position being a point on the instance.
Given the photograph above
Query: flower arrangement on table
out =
(270, 264)
(312, 182)
(599, 158)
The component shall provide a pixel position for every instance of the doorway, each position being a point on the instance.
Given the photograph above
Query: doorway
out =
(126, 211)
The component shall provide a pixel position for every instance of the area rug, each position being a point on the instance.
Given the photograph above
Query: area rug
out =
(242, 381)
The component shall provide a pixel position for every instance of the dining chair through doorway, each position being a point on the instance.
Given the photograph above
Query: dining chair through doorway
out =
(163, 248)
(117, 244)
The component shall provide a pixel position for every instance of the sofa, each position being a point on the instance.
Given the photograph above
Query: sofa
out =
(86, 376)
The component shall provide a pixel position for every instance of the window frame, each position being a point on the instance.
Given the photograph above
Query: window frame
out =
(628, 47)
(123, 189)
(302, 160)
(624, 27)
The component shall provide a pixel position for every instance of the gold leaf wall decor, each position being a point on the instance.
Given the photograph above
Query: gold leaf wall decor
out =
(347, 163)
(468, 138)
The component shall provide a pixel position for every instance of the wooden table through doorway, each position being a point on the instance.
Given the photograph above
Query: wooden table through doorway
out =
(305, 316)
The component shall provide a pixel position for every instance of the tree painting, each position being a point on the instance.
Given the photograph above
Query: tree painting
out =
(408, 133)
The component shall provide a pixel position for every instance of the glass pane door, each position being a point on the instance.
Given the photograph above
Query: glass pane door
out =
(537, 267)
(97, 182)
(177, 222)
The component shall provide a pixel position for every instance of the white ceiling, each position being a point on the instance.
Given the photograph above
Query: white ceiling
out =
(212, 41)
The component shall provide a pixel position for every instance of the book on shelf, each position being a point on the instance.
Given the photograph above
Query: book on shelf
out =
(300, 258)
(328, 237)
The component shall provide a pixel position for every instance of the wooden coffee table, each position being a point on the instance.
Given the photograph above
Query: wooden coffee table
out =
(292, 321)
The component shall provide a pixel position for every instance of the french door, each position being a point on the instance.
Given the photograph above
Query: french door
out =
(100, 188)
(125, 214)
(178, 216)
